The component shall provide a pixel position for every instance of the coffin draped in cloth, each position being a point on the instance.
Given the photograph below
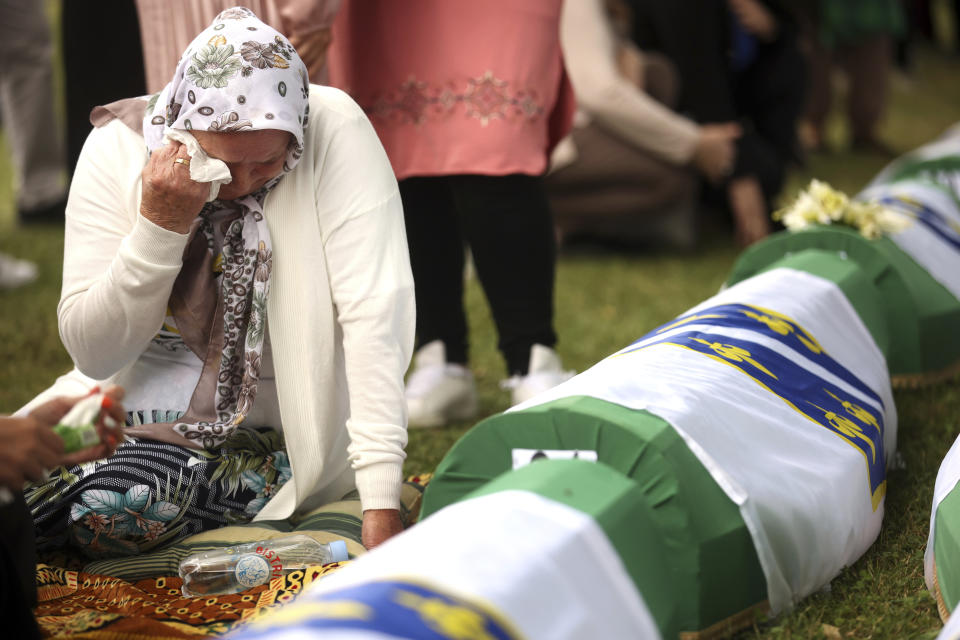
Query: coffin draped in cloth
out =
(763, 418)
(916, 269)
(525, 559)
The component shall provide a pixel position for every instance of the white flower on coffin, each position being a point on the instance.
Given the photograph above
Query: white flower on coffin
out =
(891, 220)
(804, 212)
(821, 204)
(831, 202)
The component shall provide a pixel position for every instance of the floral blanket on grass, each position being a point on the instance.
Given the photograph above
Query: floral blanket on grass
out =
(74, 604)
(138, 597)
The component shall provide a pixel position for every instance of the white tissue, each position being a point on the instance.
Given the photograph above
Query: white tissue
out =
(203, 168)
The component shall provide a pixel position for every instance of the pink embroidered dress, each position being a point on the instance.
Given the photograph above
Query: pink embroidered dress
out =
(455, 87)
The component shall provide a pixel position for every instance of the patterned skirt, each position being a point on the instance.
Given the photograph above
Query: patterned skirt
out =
(149, 494)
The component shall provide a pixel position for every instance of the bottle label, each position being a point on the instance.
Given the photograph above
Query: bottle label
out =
(273, 558)
(252, 570)
(76, 438)
(78, 428)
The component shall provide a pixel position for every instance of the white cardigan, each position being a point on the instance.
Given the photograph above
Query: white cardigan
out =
(340, 312)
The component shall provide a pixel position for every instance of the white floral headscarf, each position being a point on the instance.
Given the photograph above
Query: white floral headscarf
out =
(238, 75)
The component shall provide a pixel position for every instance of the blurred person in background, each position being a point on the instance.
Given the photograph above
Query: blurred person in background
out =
(103, 26)
(738, 60)
(468, 99)
(857, 37)
(31, 130)
(168, 26)
(26, 106)
(629, 171)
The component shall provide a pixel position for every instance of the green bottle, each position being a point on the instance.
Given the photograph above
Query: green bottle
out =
(78, 428)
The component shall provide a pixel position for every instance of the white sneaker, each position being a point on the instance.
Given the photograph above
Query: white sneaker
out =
(545, 372)
(15, 272)
(438, 392)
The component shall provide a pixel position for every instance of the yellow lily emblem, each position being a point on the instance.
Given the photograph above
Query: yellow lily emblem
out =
(784, 326)
(776, 324)
(734, 354)
(848, 428)
(856, 411)
(450, 620)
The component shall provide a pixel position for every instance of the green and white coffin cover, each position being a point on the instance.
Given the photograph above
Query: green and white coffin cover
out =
(933, 238)
(942, 555)
(935, 163)
(509, 565)
(780, 391)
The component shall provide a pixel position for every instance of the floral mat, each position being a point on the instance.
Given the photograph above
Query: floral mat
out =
(139, 596)
(73, 604)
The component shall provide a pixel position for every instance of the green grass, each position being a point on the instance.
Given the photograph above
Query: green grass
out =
(605, 300)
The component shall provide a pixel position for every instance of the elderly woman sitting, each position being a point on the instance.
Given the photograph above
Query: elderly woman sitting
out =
(241, 274)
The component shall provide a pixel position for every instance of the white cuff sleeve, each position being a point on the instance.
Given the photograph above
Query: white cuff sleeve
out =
(379, 485)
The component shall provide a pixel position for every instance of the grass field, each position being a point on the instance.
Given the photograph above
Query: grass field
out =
(605, 300)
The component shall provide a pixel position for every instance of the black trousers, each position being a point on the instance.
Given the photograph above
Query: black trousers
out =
(18, 565)
(506, 222)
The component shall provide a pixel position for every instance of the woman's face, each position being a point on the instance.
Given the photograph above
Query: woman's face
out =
(254, 157)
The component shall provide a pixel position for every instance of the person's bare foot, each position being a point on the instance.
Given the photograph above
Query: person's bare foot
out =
(750, 216)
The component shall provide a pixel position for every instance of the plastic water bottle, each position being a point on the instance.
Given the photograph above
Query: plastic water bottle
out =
(78, 428)
(237, 568)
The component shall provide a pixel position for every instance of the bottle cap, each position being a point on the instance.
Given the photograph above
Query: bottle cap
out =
(338, 551)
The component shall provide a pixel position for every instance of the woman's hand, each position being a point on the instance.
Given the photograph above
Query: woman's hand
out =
(715, 152)
(379, 525)
(170, 198)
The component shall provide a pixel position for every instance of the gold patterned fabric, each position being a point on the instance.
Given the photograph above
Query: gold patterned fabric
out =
(139, 597)
(74, 604)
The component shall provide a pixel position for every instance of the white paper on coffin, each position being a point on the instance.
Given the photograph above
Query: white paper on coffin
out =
(804, 492)
(545, 567)
(523, 457)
